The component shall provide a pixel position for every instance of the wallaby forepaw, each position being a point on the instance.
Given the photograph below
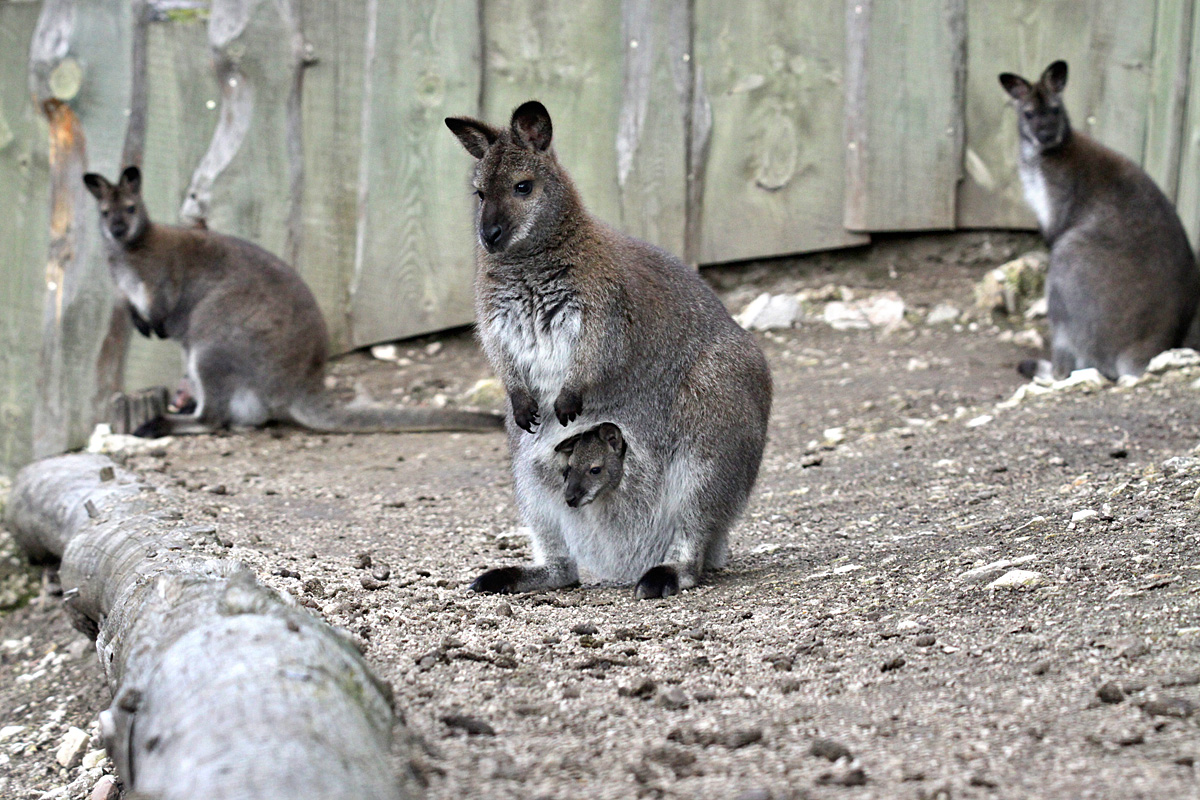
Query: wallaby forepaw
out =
(660, 581)
(568, 406)
(525, 411)
(502, 580)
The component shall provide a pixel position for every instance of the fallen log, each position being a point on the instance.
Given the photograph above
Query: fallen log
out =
(220, 688)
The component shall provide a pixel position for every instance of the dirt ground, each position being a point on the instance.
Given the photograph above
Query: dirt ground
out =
(856, 617)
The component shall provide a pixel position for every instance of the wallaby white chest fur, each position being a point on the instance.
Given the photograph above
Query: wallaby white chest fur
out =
(539, 341)
(1033, 184)
(132, 287)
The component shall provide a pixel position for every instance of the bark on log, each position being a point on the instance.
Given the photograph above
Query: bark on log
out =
(220, 689)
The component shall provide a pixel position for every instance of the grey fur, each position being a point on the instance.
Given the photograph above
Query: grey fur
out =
(1123, 284)
(254, 341)
(586, 325)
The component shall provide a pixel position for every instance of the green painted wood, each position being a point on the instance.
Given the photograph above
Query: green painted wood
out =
(1169, 78)
(904, 131)
(1188, 186)
(769, 177)
(24, 194)
(414, 262)
(1109, 47)
(570, 56)
(332, 136)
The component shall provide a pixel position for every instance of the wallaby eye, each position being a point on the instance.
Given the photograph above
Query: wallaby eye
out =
(130, 209)
(595, 470)
(523, 187)
(1029, 113)
(478, 194)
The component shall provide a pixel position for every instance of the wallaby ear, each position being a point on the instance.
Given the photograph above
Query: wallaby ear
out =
(476, 136)
(1017, 87)
(1055, 77)
(567, 445)
(531, 125)
(612, 435)
(131, 179)
(98, 185)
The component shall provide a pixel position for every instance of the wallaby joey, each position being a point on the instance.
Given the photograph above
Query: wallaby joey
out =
(585, 325)
(254, 341)
(593, 463)
(1123, 284)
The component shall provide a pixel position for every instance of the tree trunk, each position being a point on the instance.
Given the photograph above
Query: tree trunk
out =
(221, 689)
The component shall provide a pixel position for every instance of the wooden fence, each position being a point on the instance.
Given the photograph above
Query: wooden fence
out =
(722, 131)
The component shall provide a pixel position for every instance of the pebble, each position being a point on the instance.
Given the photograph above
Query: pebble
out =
(1179, 707)
(698, 634)
(503, 609)
(925, 640)
(472, 725)
(105, 789)
(830, 749)
(643, 689)
(381, 572)
(363, 561)
(1084, 514)
(9, 731)
(754, 794)
(433, 348)
(769, 312)
(673, 699)
(1110, 692)
(70, 752)
(371, 584)
(585, 629)
(893, 664)
(941, 314)
(849, 776)
(1018, 579)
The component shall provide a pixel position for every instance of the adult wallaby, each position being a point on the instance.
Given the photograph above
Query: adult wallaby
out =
(586, 325)
(254, 341)
(1123, 284)
(592, 464)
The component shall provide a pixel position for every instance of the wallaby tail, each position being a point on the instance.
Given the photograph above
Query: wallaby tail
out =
(324, 413)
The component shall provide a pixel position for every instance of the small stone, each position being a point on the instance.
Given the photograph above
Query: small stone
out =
(585, 629)
(105, 789)
(363, 561)
(9, 731)
(1179, 358)
(1179, 707)
(218, 489)
(503, 609)
(314, 587)
(780, 661)
(484, 394)
(830, 749)
(1041, 668)
(698, 634)
(371, 584)
(834, 436)
(1084, 514)
(849, 776)
(94, 759)
(754, 794)
(1110, 692)
(385, 352)
(925, 640)
(451, 642)
(381, 572)
(571, 691)
(986, 572)
(433, 348)
(673, 699)
(941, 314)
(1017, 579)
(472, 725)
(893, 664)
(742, 737)
(1134, 649)
(643, 689)
(72, 748)
(771, 312)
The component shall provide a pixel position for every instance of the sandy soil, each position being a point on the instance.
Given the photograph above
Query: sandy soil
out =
(855, 618)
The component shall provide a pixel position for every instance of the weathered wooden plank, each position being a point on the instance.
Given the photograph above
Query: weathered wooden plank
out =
(24, 226)
(332, 137)
(570, 56)
(1169, 78)
(1108, 45)
(80, 78)
(770, 177)
(1188, 187)
(414, 261)
(652, 128)
(906, 64)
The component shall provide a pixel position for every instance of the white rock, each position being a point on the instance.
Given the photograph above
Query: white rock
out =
(484, 393)
(1084, 514)
(1029, 338)
(884, 310)
(433, 348)
(385, 352)
(103, 440)
(1038, 308)
(981, 420)
(1173, 359)
(74, 745)
(980, 574)
(1017, 579)
(834, 435)
(1084, 378)
(94, 758)
(9, 731)
(769, 312)
(942, 313)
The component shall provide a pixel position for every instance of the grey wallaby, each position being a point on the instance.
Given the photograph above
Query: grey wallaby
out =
(592, 463)
(1123, 284)
(585, 325)
(255, 344)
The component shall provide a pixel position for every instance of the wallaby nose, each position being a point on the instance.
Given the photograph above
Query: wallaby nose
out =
(492, 234)
(573, 498)
(118, 229)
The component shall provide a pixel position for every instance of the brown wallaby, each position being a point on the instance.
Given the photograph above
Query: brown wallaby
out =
(593, 462)
(585, 325)
(1123, 284)
(254, 341)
